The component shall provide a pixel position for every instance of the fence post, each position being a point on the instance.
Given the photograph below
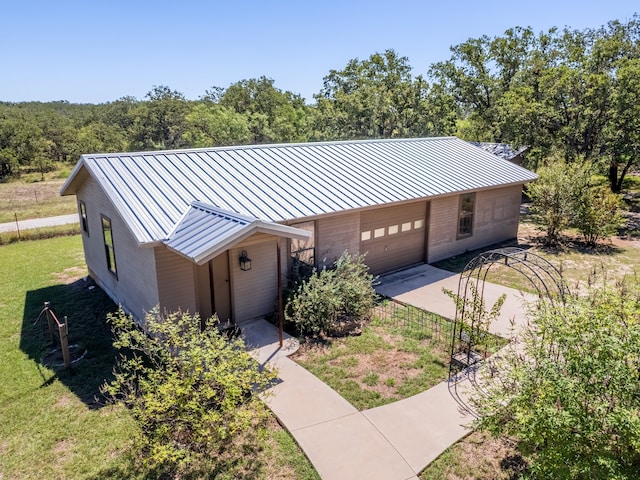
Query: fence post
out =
(64, 343)
(50, 321)
(17, 226)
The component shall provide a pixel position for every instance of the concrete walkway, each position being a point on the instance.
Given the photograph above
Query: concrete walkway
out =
(422, 286)
(392, 442)
(39, 223)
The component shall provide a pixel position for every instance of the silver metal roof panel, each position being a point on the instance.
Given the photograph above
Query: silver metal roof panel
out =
(280, 183)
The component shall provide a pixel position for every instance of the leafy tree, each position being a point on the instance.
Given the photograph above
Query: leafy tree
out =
(209, 125)
(332, 296)
(159, 122)
(479, 72)
(623, 132)
(190, 390)
(568, 92)
(378, 98)
(568, 392)
(565, 196)
(273, 115)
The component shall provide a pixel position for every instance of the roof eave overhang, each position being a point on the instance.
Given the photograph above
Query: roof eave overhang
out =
(70, 186)
(257, 226)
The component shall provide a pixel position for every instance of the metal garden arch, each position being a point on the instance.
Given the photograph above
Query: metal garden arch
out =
(545, 278)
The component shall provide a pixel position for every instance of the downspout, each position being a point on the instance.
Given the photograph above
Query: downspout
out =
(280, 310)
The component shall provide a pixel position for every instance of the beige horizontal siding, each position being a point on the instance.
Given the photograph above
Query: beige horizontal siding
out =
(495, 219)
(335, 235)
(254, 292)
(176, 281)
(135, 287)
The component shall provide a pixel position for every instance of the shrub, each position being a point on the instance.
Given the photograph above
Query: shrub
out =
(569, 389)
(552, 197)
(190, 390)
(565, 196)
(597, 213)
(332, 296)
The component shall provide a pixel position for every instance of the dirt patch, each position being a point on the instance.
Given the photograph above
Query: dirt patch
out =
(63, 402)
(71, 274)
(62, 447)
(382, 365)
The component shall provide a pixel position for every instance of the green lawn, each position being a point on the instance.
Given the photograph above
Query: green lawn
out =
(54, 423)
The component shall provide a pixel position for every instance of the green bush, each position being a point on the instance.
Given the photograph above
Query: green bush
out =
(568, 195)
(332, 297)
(569, 390)
(596, 213)
(190, 390)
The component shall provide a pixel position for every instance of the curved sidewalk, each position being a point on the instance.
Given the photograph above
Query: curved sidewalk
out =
(395, 441)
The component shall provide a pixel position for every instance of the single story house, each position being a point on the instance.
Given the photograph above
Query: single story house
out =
(200, 229)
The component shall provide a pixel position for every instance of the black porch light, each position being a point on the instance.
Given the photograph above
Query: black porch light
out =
(245, 262)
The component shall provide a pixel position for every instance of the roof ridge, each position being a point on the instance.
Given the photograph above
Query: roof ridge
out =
(222, 148)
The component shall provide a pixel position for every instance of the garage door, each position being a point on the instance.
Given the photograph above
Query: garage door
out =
(393, 237)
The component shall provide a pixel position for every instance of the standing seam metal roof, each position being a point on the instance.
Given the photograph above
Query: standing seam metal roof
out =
(278, 183)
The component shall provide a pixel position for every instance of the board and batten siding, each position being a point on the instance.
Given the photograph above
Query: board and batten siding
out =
(334, 235)
(135, 287)
(254, 292)
(495, 219)
(177, 281)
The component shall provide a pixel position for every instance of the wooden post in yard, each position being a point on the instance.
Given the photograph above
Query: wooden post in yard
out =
(280, 310)
(64, 342)
(51, 322)
(17, 226)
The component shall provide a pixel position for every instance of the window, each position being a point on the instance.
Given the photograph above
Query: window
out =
(465, 215)
(84, 223)
(393, 229)
(108, 245)
(378, 232)
(406, 226)
(366, 235)
(418, 224)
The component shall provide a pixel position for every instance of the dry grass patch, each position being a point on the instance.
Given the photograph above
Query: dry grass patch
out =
(477, 456)
(383, 364)
(33, 200)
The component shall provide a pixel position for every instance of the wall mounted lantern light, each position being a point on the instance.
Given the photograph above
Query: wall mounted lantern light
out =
(245, 262)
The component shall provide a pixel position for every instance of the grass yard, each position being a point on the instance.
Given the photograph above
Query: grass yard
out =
(54, 423)
(612, 260)
(477, 456)
(385, 363)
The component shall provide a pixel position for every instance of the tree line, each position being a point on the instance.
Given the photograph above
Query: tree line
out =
(566, 93)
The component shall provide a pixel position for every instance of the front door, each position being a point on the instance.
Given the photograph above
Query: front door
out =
(221, 286)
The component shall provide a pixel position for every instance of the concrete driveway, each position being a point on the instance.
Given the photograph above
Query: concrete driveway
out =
(422, 286)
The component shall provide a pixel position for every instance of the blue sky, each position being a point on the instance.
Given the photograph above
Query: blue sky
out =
(97, 51)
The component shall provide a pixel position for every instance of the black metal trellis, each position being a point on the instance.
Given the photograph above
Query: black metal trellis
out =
(469, 324)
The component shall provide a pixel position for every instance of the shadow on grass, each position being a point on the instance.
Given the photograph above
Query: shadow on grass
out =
(456, 264)
(243, 464)
(569, 244)
(85, 305)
